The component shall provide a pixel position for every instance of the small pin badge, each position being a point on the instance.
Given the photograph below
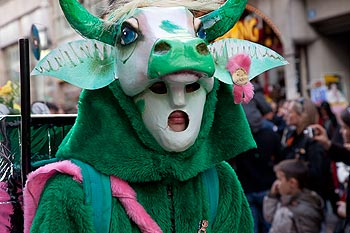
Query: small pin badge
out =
(240, 77)
(203, 224)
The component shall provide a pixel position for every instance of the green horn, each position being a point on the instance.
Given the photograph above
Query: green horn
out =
(220, 21)
(87, 24)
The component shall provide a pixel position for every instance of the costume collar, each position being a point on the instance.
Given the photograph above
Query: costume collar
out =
(109, 134)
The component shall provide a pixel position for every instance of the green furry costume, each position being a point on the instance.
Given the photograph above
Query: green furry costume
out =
(111, 136)
(110, 133)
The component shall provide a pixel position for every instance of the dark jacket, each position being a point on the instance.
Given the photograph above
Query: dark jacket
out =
(254, 167)
(303, 147)
(339, 153)
(256, 109)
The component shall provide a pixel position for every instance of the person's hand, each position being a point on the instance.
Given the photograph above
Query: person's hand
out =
(347, 146)
(321, 136)
(341, 210)
(269, 116)
(275, 187)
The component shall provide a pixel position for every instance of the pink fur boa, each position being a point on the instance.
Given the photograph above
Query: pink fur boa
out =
(121, 189)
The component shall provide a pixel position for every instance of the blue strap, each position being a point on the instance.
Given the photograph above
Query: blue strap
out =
(211, 182)
(98, 194)
(41, 163)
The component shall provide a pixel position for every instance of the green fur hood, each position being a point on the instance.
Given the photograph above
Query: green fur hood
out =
(110, 135)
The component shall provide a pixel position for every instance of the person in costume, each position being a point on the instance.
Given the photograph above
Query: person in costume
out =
(153, 118)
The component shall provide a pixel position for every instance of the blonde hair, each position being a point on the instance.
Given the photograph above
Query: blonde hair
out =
(307, 110)
(122, 7)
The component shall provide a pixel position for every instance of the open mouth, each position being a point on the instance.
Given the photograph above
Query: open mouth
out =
(178, 121)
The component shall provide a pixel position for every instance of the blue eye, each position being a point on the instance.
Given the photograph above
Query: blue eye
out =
(201, 33)
(128, 35)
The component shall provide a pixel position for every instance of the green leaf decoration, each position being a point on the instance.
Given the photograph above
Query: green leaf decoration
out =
(88, 64)
(262, 58)
(223, 75)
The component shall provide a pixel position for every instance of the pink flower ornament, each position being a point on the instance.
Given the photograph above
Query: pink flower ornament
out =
(238, 66)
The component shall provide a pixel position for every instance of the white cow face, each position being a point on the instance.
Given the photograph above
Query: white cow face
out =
(155, 42)
(168, 71)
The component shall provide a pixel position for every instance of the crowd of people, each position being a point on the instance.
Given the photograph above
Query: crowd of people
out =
(45, 107)
(291, 178)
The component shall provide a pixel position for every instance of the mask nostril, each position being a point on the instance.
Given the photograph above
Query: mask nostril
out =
(162, 48)
(202, 49)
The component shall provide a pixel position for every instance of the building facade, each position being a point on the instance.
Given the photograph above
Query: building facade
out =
(16, 21)
(313, 35)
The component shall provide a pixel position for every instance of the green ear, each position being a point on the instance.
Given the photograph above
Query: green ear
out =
(262, 58)
(88, 64)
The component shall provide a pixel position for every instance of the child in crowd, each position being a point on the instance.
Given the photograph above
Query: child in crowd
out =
(289, 206)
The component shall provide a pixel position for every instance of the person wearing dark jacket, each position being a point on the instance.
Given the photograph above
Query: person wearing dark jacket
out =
(297, 144)
(258, 110)
(254, 167)
(338, 153)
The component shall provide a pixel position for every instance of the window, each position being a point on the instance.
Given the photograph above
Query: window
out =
(3, 2)
(12, 64)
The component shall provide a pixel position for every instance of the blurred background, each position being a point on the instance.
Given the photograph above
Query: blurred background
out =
(313, 35)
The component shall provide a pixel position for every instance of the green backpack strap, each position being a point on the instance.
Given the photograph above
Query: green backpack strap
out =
(98, 194)
(211, 182)
(41, 163)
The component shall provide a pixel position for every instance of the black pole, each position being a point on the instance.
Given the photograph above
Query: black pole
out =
(25, 108)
